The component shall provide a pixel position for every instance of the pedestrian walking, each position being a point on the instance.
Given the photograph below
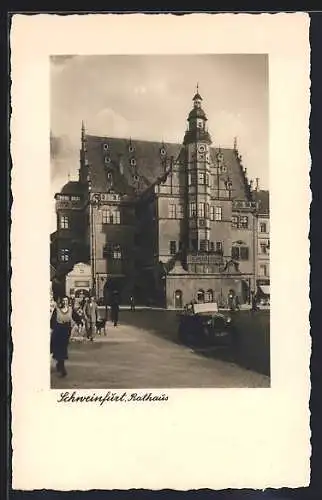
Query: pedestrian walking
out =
(91, 317)
(115, 309)
(62, 319)
(254, 301)
(132, 304)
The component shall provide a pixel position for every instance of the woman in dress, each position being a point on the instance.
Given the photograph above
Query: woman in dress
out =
(61, 322)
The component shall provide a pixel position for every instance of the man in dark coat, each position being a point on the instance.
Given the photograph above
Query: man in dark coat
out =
(115, 308)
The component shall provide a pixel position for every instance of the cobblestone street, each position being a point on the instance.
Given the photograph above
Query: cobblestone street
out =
(133, 356)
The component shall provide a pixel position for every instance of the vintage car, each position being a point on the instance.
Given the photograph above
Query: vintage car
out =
(205, 325)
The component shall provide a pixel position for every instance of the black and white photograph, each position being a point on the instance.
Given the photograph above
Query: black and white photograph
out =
(160, 237)
(160, 251)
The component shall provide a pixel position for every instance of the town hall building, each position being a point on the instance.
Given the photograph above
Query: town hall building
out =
(166, 223)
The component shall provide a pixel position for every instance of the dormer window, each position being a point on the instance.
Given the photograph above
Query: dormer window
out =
(163, 152)
(107, 159)
(105, 147)
(136, 178)
(133, 162)
(131, 148)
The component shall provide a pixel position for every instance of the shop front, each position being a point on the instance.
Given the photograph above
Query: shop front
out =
(79, 280)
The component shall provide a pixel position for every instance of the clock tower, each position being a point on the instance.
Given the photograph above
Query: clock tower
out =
(197, 142)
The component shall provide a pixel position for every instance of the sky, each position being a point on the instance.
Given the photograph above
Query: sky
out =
(149, 98)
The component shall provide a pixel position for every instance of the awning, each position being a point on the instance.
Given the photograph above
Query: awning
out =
(265, 289)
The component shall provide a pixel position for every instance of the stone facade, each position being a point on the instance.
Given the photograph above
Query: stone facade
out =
(168, 223)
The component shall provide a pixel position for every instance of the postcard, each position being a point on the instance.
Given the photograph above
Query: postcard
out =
(160, 252)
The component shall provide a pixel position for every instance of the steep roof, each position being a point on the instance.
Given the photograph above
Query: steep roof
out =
(133, 158)
(130, 158)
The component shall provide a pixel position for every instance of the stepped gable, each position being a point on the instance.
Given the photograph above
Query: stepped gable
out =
(234, 172)
(145, 155)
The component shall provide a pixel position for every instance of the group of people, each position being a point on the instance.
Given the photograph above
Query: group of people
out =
(85, 316)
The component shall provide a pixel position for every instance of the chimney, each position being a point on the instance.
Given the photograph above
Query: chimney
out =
(257, 184)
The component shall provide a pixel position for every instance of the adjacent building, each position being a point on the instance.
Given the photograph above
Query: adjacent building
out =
(263, 244)
(167, 223)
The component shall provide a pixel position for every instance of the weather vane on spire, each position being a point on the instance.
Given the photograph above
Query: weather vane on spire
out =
(197, 87)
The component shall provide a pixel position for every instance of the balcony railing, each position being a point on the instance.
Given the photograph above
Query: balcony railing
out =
(244, 205)
(205, 258)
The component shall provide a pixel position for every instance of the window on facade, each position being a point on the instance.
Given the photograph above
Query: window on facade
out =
(263, 248)
(64, 254)
(263, 227)
(240, 253)
(243, 222)
(199, 124)
(206, 210)
(201, 178)
(111, 216)
(200, 296)
(112, 251)
(64, 222)
(244, 253)
(209, 295)
(212, 246)
(263, 270)
(207, 179)
(219, 247)
(173, 247)
(172, 211)
(117, 254)
(218, 213)
(192, 179)
(192, 209)
(201, 210)
(180, 211)
(204, 245)
(234, 221)
(75, 198)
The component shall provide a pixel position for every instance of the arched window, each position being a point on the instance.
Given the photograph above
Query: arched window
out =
(200, 296)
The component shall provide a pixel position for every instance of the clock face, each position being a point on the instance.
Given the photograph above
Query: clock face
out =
(201, 148)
